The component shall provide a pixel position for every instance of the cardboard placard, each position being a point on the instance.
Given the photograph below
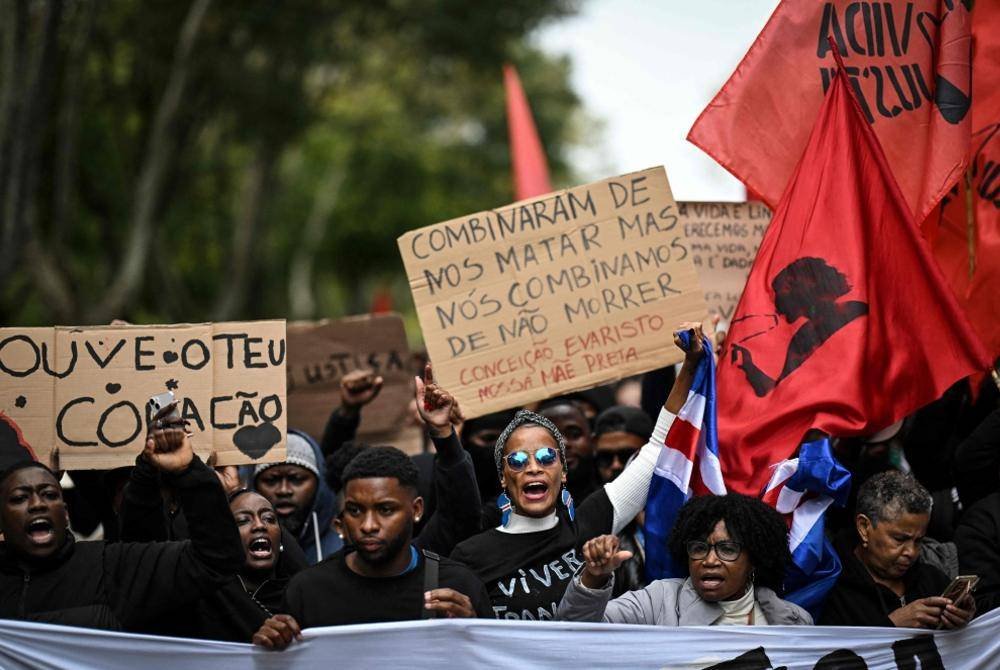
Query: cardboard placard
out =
(321, 352)
(554, 294)
(723, 238)
(85, 390)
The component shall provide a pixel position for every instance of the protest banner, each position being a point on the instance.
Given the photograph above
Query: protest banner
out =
(462, 643)
(558, 293)
(723, 238)
(84, 390)
(320, 353)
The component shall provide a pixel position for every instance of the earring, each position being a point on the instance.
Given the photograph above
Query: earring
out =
(416, 519)
(281, 548)
(567, 500)
(753, 575)
(504, 505)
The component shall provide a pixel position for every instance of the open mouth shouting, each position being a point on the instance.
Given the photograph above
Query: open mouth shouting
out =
(535, 491)
(260, 548)
(41, 531)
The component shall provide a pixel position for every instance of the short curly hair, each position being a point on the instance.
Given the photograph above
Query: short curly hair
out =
(756, 526)
(382, 462)
(890, 494)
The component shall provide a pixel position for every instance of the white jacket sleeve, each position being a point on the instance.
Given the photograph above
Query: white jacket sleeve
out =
(628, 492)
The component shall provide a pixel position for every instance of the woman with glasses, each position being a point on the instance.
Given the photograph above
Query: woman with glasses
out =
(527, 561)
(735, 549)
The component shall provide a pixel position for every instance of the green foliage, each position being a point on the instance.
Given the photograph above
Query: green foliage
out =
(391, 110)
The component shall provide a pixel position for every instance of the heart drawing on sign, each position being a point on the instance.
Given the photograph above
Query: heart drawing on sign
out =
(255, 441)
(169, 357)
(112, 388)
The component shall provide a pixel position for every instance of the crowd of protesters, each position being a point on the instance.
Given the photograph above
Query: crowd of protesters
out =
(532, 514)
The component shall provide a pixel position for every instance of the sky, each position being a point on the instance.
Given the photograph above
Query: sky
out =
(646, 69)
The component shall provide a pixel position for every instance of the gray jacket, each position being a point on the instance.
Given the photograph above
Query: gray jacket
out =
(666, 602)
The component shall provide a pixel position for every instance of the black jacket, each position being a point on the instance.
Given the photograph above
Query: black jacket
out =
(230, 613)
(858, 600)
(978, 540)
(129, 586)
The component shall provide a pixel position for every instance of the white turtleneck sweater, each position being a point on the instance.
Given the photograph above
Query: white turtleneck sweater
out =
(737, 612)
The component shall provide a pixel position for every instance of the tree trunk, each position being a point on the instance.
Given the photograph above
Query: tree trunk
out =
(69, 122)
(256, 185)
(301, 301)
(159, 154)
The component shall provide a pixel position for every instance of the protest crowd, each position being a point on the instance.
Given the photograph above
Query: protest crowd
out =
(595, 443)
(534, 514)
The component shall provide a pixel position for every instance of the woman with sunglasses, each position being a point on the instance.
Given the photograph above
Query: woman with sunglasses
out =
(527, 561)
(736, 551)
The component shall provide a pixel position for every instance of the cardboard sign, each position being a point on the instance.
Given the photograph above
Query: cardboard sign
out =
(558, 293)
(85, 390)
(321, 352)
(723, 238)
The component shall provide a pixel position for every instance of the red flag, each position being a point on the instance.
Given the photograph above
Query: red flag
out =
(845, 324)
(531, 171)
(965, 232)
(909, 66)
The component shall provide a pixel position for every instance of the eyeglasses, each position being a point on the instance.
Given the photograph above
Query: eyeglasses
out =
(518, 460)
(605, 459)
(727, 550)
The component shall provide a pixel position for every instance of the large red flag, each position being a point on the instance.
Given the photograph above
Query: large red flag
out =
(845, 324)
(965, 232)
(527, 157)
(908, 63)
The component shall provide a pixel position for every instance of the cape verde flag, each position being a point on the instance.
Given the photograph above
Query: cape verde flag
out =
(688, 465)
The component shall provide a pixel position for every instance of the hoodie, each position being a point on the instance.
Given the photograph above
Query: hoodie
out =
(317, 538)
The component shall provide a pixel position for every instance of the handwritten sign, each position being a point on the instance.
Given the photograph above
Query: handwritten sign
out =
(723, 238)
(557, 293)
(85, 390)
(321, 352)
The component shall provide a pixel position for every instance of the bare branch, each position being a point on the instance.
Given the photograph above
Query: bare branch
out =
(159, 154)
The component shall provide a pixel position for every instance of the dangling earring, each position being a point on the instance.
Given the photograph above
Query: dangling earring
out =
(567, 500)
(505, 507)
(753, 575)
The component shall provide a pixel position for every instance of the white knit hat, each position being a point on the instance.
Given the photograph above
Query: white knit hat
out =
(299, 452)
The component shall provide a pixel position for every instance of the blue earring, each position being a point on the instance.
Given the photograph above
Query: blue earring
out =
(503, 503)
(567, 500)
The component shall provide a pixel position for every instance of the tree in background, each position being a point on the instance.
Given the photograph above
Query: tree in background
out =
(184, 161)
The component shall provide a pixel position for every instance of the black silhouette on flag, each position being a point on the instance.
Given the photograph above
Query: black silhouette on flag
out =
(807, 288)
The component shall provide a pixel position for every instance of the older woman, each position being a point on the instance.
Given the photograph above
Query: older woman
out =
(736, 550)
(527, 560)
(884, 582)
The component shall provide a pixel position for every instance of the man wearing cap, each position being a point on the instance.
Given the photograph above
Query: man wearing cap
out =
(304, 503)
(619, 433)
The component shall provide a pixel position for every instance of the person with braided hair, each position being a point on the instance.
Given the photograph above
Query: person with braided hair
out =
(736, 551)
(529, 558)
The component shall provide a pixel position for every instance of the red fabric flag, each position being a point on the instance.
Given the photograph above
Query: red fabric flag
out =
(965, 231)
(909, 67)
(846, 324)
(531, 171)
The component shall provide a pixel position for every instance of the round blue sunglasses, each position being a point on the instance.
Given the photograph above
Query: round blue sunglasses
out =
(518, 460)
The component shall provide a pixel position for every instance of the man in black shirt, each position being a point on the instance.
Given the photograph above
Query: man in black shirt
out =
(380, 575)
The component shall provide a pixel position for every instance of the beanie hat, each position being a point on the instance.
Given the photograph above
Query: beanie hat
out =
(298, 451)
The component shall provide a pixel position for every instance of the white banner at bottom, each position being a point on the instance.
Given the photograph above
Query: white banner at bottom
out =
(467, 643)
